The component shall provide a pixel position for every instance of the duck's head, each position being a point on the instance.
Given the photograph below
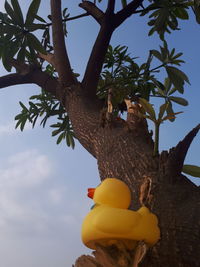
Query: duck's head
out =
(112, 192)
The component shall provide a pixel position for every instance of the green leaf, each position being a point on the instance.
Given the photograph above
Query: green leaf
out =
(172, 91)
(171, 116)
(23, 106)
(170, 111)
(40, 19)
(124, 3)
(12, 29)
(70, 140)
(167, 85)
(18, 12)
(17, 124)
(192, 170)
(181, 13)
(160, 92)
(32, 12)
(9, 50)
(55, 132)
(11, 12)
(148, 108)
(31, 55)
(60, 138)
(179, 100)
(36, 26)
(64, 13)
(56, 125)
(151, 31)
(162, 110)
(157, 54)
(178, 55)
(35, 43)
(180, 73)
(161, 19)
(177, 77)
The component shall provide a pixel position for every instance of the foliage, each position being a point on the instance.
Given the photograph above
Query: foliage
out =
(121, 73)
(16, 34)
(45, 106)
(128, 79)
(149, 113)
(18, 41)
(192, 170)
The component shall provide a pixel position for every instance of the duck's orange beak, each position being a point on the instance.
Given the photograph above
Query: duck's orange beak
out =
(91, 192)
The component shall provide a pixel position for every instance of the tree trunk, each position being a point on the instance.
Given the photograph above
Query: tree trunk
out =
(124, 150)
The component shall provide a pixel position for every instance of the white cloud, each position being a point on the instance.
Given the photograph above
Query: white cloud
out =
(30, 201)
(56, 195)
(9, 128)
(20, 177)
(69, 219)
(38, 212)
(25, 169)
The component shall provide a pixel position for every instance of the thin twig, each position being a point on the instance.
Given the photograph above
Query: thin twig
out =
(71, 18)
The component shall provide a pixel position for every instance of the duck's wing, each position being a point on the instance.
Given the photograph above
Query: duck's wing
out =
(113, 220)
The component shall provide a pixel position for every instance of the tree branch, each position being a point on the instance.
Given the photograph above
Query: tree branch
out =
(177, 155)
(35, 76)
(70, 18)
(50, 58)
(93, 10)
(95, 62)
(66, 76)
(126, 12)
(110, 7)
(109, 22)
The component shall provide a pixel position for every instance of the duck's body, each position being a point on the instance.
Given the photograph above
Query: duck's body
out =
(105, 224)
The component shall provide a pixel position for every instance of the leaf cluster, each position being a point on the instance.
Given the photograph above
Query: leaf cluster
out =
(16, 33)
(149, 112)
(44, 106)
(165, 15)
(119, 73)
(128, 79)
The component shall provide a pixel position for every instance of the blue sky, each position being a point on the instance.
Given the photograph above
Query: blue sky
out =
(43, 186)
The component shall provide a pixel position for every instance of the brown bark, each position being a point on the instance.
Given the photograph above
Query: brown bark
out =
(124, 150)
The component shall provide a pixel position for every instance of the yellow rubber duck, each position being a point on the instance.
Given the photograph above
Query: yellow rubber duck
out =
(110, 221)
